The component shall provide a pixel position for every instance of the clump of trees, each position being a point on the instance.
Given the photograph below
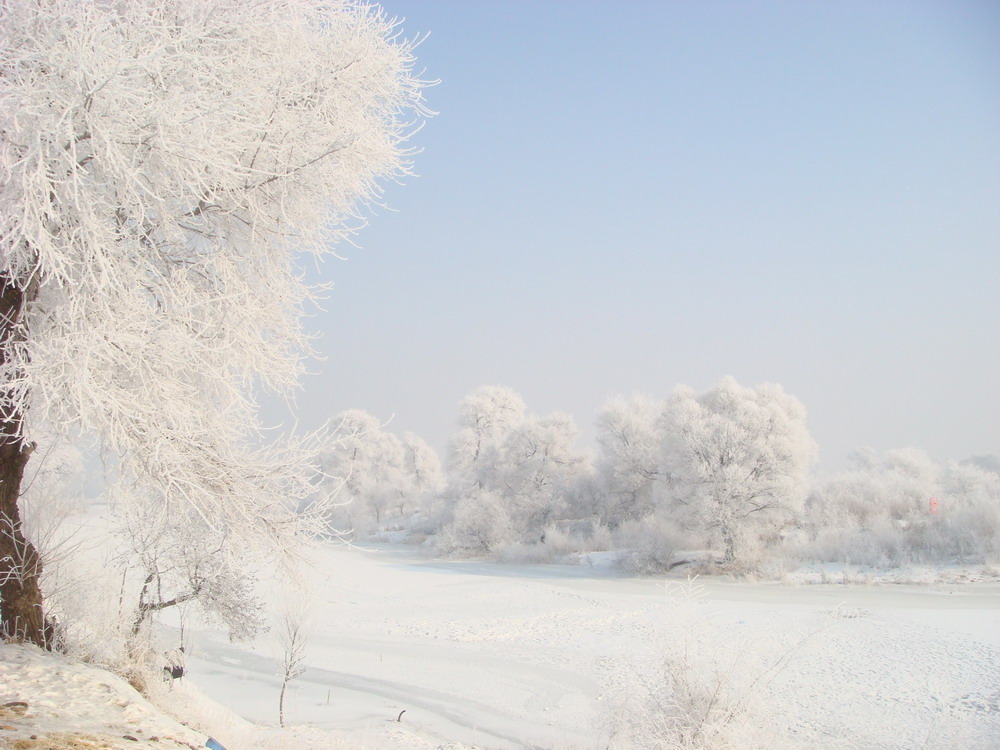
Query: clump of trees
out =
(377, 479)
(727, 470)
(510, 473)
(903, 507)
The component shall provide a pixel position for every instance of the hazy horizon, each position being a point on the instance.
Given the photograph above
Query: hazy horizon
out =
(619, 199)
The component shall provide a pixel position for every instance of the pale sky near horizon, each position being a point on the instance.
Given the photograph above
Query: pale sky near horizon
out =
(620, 198)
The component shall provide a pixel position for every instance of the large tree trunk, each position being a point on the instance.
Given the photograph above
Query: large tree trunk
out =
(21, 615)
(20, 567)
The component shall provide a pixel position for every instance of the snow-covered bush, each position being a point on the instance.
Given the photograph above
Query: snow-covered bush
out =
(904, 508)
(706, 692)
(481, 522)
(648, 545)
(563, 541)
(93, 623)
(520, 553)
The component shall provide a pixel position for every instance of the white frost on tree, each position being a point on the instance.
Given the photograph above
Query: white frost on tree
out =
(538, 468)
(422, 464)
(630, 474)
(738, 459)
(293, 637)
(510, 472)
(903, 507)
(486, 416)
(364, 467)
(373, 476)
(163, 166)
(426, 475)
(895, 486)
(170, 559)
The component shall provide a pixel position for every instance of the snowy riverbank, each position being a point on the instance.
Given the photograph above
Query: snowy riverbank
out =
(545, 656)
(492, 656)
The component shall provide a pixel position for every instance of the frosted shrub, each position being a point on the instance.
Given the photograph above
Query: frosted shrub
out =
(985, 519)
(648, 545)
(881, 513)
(585, 536)
(519, 553)
(481, 523)
(706, 693)
(971, 511)
(435, 513)
(698, 707)
(92, 624)
(965, 534)
(560, 542)
(603, 538)
(881, 544)
(574, 537)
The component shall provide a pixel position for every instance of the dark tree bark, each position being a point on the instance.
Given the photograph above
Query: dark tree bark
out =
(21, 616)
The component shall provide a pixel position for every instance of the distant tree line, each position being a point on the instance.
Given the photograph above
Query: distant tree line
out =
(727, 470)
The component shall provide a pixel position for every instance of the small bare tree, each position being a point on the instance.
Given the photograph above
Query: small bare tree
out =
(293, 636)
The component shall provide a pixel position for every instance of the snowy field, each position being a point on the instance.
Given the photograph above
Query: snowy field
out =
(492, 656)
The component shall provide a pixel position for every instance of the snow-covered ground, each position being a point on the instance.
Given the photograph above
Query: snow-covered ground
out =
(561, 656)
(49, 702)
(546, 656)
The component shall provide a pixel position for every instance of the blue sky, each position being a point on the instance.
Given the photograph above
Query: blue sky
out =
(619, 198)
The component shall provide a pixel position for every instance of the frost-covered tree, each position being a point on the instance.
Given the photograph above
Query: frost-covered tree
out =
(537, 469)
(630, 459)
(510, 472)
(481, 521)
(175, 560)
(967, 517)
(423, 469)
(985, 461)
(903, 507)
(487, 416)
(293, 637)
(164, 165)
(365, 467)
(738, 458)
(895, 485)
(371, 474)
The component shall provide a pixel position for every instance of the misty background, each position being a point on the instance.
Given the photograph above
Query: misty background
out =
(617, 199)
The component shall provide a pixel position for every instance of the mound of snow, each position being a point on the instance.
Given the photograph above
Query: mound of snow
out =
(47, 701)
